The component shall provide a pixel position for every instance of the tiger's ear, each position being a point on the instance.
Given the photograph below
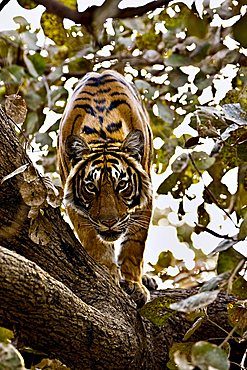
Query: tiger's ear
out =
(134, 144)
(76, 148)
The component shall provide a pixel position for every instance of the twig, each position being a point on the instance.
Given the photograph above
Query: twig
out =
(48, 92)
(204, 228)
(237, 268)
(229, 336)
(210, 192)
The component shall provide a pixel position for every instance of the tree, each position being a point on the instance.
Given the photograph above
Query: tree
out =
(52, 294)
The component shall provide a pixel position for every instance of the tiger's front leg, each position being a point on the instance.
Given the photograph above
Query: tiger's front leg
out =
(130, 258)
(100, 251)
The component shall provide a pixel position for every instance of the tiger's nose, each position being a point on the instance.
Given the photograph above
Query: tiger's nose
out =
(109, 222)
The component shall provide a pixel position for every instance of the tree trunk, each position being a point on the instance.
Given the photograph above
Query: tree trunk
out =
(60, 301)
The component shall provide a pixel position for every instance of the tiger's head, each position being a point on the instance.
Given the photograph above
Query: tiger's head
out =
(107, 182)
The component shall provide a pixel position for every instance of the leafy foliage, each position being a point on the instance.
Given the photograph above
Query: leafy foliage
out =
(191, 73)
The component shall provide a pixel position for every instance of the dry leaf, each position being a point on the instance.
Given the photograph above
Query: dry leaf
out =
(33, 193)
(15, 172)
(40, 230)
(15, 107)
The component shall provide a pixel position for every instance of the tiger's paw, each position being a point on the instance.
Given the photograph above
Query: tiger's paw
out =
(137, 291)
(149, 282)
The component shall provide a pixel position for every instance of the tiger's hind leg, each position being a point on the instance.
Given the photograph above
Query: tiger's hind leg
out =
(130, 258)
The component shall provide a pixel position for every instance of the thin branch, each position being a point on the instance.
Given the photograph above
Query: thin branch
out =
(204, 228)
(211, 195)
(141, 10)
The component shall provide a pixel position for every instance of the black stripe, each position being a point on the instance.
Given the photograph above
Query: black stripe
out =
(83, 99)
(132, 240)
(114, 126)
(112, 160)
(100, 108)
(100, 101)
(96, 162)
(87, 92)
(115, 103)
(89, 130)
(115, 93)
(102, 134)
(87, 108)
(103, 91)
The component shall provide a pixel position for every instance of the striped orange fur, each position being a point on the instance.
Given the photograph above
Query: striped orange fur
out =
(104, 157)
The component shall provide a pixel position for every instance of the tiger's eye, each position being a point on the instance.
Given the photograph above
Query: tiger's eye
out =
(122, 184)
(90, 187)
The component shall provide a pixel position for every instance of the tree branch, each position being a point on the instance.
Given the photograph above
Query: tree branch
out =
(59, 321)
(87, 17)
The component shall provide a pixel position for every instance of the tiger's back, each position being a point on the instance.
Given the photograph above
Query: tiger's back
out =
(103, 107)
(104, 158)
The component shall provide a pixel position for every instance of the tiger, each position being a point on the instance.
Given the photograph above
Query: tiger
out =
(104, 159)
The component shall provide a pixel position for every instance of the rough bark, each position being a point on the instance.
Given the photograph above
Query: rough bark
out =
(60, 301)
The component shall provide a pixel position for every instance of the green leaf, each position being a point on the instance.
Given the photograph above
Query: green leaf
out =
(177, 78)
(177, 60)
(196, 325)
(242, 151)
(196, 26)
(202, 160)
(243, 229)
(239, 287)
(217, 191)
(145, 88)
(165, 112)
(195, 302)
(43, 139)
(38, 62)
(29, 40)
(180, 163)
(53, 28)
(27, 4)
(55, 75)
(207, 356)
(6, 335)
(239, 31)
(33, 100)
(178, 355)
(203, 218)
(31, 123)
(30, 66)
(12, 74)
(228, 260)
(168, 184)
